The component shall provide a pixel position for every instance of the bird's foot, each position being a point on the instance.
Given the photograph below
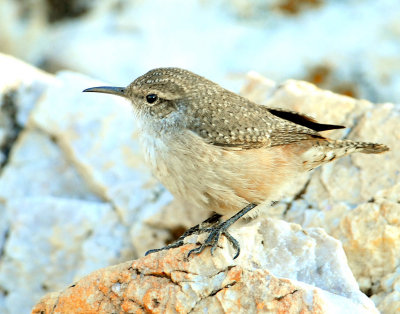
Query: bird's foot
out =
(200, 228)
(213, 238)
(221, 228)
(215, 230)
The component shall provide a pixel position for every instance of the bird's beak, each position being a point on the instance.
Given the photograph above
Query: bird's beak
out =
(119, 91)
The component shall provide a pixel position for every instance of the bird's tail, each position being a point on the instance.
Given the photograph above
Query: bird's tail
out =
(346, 147)
(329, 150)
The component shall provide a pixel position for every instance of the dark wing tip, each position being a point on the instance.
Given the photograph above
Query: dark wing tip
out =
(325, 127)
(304, 120)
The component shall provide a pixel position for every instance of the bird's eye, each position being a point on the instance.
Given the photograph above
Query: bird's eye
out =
(151, 98)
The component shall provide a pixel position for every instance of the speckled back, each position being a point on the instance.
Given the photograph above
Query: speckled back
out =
(217, 115)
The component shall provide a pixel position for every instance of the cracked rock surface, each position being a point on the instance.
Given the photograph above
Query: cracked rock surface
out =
(282, 268)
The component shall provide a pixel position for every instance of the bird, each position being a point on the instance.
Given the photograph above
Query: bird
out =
(215, 149)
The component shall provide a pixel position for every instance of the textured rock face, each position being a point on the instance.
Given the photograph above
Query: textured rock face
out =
(317, 278)
(76, 234)
(75, 197)
(20, 87)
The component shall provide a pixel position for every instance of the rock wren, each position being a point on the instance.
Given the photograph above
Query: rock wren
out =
(220, 151)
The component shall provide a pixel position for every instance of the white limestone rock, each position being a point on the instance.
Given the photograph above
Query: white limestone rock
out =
(26, 81)
(20, 87)
(309, 255)
(388, 296)
(38, 167)
(371, 238)
(53, 241)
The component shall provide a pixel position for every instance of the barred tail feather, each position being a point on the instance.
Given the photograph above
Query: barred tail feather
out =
(330, 150)
(361, 147)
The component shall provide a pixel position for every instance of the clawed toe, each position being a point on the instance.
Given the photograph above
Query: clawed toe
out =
(221, 228)
(200, 228)
(234, 242)
(178, 243)
(213, 238)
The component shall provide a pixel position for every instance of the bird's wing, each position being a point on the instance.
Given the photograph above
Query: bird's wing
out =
(251, 125)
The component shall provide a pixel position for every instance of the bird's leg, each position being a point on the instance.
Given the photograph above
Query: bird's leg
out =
(197, 229)
(215, 229)
(215, 232)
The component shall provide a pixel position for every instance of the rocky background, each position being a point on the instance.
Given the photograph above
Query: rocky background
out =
(75, 195)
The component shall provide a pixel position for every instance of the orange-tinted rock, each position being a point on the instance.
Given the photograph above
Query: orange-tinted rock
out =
(168, 282)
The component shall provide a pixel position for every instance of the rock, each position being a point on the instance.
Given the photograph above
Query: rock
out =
(53, 241)
(35, 153)
(282, 268)
(388, 297)
(24, 83)
(371, 238)
(20, 88)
